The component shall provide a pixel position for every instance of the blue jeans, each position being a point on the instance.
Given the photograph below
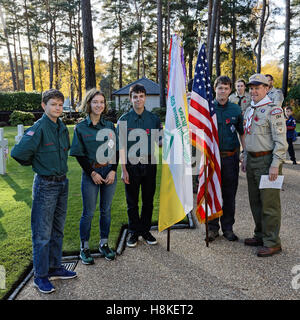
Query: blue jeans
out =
(48, 214)
(89, 191)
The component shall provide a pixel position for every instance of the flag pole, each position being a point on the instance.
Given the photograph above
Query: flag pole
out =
(168, 239)
(205, 199)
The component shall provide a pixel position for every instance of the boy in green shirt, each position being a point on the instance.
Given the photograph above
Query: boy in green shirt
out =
(45, 147)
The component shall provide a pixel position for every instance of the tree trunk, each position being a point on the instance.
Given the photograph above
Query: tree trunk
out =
(218, 64)
(39, 68)
(56, 66)
(160, 54)
(29, 46)
(70, 56)
(258, 45)
(233, 39)
(88, 45)
(11, 64)
(22, 60)
(78, 53)
(209, 16)
(16, 62)
(120, 54)
(212, 35)
(286, 48)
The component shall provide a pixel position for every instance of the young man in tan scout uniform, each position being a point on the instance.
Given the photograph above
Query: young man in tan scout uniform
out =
(265, 142)
(274, 94)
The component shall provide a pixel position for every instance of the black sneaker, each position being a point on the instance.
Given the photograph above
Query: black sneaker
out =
(132, 240)
(149, 238)
(212, 235)
(230, 236)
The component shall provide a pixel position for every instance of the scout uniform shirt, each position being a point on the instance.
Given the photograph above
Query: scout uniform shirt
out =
(85, 143)
(265, 130)
(230, 121)
(146, 121)
(243, 101)
(276, 96)
(45, 146)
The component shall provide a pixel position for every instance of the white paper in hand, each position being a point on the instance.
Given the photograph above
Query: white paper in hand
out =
(265, 183)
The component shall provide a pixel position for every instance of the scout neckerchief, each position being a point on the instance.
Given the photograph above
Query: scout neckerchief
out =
(266, 100)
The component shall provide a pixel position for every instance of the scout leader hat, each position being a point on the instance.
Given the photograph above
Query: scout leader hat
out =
(258, 79)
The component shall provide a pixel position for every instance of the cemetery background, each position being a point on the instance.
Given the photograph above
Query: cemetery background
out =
(15, 208)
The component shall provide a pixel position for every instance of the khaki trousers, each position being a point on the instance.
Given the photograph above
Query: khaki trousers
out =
(265, 203)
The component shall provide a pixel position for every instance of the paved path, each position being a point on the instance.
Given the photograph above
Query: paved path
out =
(225, 270)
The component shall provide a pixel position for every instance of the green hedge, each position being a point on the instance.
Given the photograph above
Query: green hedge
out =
(21, 117)
(24, 101)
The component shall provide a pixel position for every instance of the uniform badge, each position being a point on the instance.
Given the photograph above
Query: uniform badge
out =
(232, 128)
(227, 121)
(276, 111)
(256, 118)
(262, 110)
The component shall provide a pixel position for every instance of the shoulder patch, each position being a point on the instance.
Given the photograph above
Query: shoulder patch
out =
(30, 133)
(276, 111)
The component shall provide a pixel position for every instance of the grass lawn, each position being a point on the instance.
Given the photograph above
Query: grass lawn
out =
(298, 127)
(15, 207)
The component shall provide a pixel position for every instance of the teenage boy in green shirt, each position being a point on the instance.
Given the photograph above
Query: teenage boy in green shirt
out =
(45, 147)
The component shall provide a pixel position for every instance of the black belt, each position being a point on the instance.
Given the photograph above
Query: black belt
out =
(54, 178)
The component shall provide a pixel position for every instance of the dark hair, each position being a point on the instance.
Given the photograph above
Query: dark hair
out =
(289, 108)
(137, 88)
(222, 80)
(52, 94)
(269, 75)
(86, 102)
(241, 80)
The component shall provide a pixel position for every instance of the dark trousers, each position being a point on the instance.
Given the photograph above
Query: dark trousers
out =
(291, 149)
(144, 176)
(229, 185)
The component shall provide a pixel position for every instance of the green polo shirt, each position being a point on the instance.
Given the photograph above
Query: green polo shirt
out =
(45, 147)
(88, 138)
(230, 122)
(145, 121)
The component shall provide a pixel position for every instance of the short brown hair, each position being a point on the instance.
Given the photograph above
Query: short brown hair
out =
(52, 94)
(222, 80)
(241, 80)
(86, 102)
(137, 88)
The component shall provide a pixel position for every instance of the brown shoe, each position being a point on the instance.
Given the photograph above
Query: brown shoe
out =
(268, 252)
(254, 242)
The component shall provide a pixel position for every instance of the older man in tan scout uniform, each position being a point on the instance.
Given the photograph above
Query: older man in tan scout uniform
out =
(274, 94)
(265, 141)
(241, 97)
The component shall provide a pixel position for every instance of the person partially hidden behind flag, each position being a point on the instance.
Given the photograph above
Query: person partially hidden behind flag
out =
(230, 122)
(265, 149)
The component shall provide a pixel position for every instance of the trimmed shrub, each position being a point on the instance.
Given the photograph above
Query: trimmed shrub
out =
(21, 117)
(20, 100)
(160, 112)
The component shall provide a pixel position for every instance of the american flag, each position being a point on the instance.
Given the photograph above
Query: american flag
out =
(204, 136)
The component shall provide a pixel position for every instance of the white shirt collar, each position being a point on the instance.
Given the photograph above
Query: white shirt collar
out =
(265, 100)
